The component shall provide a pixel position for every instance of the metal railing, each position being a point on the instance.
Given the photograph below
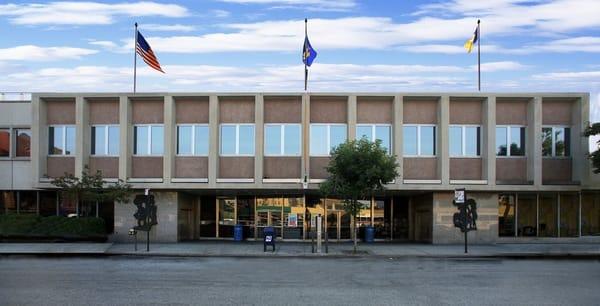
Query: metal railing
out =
(14, 96)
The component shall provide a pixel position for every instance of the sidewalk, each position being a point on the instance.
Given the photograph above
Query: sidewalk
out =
(297, 249)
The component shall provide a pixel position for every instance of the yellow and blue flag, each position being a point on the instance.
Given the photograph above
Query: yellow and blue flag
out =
(308, 53)
(469, 44)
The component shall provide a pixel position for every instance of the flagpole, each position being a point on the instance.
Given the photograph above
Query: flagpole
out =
(135, 58)
(478, 56)
(304, 52)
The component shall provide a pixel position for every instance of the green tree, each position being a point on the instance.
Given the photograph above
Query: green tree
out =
(357, 170)
(594, 130)
(92, 188)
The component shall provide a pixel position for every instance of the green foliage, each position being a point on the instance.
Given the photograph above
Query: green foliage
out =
(92, 187)
(357, 170)
(55, 227)
(594, 130)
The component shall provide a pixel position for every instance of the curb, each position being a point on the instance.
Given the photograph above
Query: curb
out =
(539, 256)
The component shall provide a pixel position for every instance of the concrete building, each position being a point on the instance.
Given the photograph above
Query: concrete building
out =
(214, 160)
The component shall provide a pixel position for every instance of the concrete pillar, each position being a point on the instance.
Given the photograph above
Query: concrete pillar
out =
(39, 136)
(259, 125)
(397, 140)
(489, 139)
(82, 135)
(444, 144)
(579, 143)
(305, 136)
(125, 131)
(170, 139)
(351, 117)
(534, 132)
(213, 147)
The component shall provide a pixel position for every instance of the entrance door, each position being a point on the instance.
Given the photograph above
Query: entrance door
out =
(268, 213)
(226, 217)
(338, 222)
(208, 215)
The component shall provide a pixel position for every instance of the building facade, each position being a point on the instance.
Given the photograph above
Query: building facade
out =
(214, 160)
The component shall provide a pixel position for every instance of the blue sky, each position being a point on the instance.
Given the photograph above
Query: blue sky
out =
(254, 45)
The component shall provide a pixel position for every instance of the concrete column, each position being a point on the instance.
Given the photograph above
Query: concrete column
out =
(259, 125)
(39, 136)
(82, 135)
(125, 131)
(213, 146)
(534, 132)
(444, 144)
(351, 117)
(489, 139)
(397, 140)
(170, 139)
(305, 136)
(579, 144)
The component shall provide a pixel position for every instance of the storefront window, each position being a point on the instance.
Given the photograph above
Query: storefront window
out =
(27, 202)
(381, 218)
(67, 206)
(569, 215)
(226, 216)
(23, 139)
(245, 215)
(548, 208)
(8, 202)
(506, 215)
(47, 203)
(293, 217)
(590, 214)
(527, 215)
(268, 213)
(314, 206)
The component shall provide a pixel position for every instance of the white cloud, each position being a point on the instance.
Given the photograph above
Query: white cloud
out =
(501, 66)
(553, 16)
(220, 13)
(591, 76)
(575, 44)
(36, 53)
(167, 27)
(309, 5)
(85, 13)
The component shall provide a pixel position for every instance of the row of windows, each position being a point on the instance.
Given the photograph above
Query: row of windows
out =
(286, 139)
(22, 138)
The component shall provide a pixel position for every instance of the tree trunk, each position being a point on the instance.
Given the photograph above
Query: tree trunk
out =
(354, 229)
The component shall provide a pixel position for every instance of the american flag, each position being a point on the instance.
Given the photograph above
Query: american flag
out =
(143, 49)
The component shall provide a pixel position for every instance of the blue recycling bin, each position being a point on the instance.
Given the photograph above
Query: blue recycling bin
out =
(369, 234)
(238, 232)
(268, 238)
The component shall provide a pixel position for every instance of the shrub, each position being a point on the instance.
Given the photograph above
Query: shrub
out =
(55, 227)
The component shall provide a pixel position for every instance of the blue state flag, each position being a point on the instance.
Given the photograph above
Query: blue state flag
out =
(308, 53)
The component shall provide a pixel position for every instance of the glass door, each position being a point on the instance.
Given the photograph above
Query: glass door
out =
(226, 217)
(245, 215)
(268, 213)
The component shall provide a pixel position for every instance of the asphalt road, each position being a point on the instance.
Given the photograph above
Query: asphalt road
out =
(285, 281)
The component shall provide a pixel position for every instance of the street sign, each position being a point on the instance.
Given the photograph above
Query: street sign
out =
(459, 196)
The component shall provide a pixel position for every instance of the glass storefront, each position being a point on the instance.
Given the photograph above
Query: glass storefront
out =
(569, 215)
(527, 220)
(506, 215)
(226, 217)
(552, 214)
(590, 214)
(548, 215)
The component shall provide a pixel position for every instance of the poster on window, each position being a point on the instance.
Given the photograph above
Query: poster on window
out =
(292, 220)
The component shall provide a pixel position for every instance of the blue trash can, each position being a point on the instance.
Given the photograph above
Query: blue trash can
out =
(238, 232)
(369, 234)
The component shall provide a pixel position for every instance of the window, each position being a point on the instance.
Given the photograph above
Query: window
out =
(465, 140)
(556, 141)
(192, 139)
(506, 215)
(510, 141)
(237, 139)
(376, 132)
(105, 140)
(325, 137)
(148, 140)
(282, 139)
(419, 140)
(61, 140)
(4, 142)
(23, 142)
